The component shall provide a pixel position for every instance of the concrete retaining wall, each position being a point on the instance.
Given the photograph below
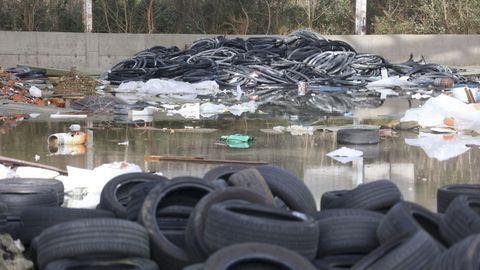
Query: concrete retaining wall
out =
(99, 52)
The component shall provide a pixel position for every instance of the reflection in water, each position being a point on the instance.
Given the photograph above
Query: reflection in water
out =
(417, 175)
(66, 149)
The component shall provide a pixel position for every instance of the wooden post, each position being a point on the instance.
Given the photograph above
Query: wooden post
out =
(87, 16)
(360, 17)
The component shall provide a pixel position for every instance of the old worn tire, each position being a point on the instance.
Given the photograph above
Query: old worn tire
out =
(231, 223)
(252, 179)
(405, 218)
(463, 255)
(379, 195)
(114, 196)
(36, 219)
(136, 197)
(32, 185)
(223, 172)
(101, 237)
(358, 136)
(164, 251)
(291, 190)
(264, 256)
(347, 231)
(447, 193)
(337, 262)
(415, 252)
(197, 266)
(329, 196)
(18, 202)
(194, 235)
(124, 263)
(461, 219)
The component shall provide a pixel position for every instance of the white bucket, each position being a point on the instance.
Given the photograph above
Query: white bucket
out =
(67, 138)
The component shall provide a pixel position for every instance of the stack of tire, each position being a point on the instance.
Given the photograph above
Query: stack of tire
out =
(239, 217)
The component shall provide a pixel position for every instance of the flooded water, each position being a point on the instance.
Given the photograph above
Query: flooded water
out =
(417, 175)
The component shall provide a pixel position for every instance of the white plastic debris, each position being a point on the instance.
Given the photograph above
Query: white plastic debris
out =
(461, 93)
(385, 92)
(239, 109)
(435, 110)
(238, 93)
(74, 127)
(35, 91)
(149, 110)
(37, 157)
(300, 130)
(345, 154)
(390, 82)
(443, 146)
(63, 116)
(123, 143)
(210, 109)
(188, 110)
(6, 172)
(206, 88)
(93, 181)
(129, 86)
(34, 172)
(421, 96)
(34, 115)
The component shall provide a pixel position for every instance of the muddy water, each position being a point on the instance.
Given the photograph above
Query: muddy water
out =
(417, 175)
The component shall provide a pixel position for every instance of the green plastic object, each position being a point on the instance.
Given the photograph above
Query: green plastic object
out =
(238, 141)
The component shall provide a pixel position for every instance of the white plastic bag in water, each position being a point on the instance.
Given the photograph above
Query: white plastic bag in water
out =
(436, 109)
(210, 109)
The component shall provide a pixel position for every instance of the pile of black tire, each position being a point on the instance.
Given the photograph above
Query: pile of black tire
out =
(239, 217)
(302, 56)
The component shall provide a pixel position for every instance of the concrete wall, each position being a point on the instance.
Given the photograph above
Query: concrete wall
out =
(99, 52)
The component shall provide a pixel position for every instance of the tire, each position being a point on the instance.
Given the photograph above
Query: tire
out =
(114, 196)
(406, 218)
(127, 263)
(463, 255)
(252, 179)
(17, 203)
(32, 185)
(291, 190)
(174, 217)
(337, 262)
(136, 197)
(232, 223)
(330, 196)
(461, 219)
(379, 195)
(194, 236)
(265, 256)
(358, 136)
(223, 172)
(197, 266)
(347, 231)
(165, 252)
(10, 224)
(446, 194)
(413, 253)
(103, 237)
(36, 219)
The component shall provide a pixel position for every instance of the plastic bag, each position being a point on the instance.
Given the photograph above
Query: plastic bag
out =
(437, 109)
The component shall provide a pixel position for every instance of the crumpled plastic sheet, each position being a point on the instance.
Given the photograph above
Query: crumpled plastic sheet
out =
(436, 109)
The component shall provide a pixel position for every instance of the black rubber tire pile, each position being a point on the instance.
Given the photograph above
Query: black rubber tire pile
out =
(301, 56)
(239, 217)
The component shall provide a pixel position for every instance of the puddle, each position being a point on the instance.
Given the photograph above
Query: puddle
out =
(417, 175)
